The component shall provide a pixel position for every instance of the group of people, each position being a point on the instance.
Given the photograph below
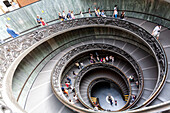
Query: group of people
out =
(131, 79)
(69, 88)
(98, 12)
(68, 82)
(102, 59)
(116, 14)
(80, 65)
(70, 15)
(40, 21)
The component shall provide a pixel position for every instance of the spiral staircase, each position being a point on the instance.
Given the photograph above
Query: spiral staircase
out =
(35, 65)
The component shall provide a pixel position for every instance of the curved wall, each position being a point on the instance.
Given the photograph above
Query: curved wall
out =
(25, 18)
(32, 59)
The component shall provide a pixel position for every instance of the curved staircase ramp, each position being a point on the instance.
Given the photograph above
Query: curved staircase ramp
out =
(134, 50)
(148, 69)
(147, 63)
(119, 64)
(85, 62)
(86, 80)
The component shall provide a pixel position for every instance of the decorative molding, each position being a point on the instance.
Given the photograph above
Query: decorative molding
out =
(95, 66)
(9, 51)
(61, 64)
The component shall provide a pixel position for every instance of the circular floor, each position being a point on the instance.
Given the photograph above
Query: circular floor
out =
(102, 90)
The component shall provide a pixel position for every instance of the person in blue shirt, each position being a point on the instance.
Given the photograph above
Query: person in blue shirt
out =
(69, 15)
(38, 19)
(69, 79)
(11, 32)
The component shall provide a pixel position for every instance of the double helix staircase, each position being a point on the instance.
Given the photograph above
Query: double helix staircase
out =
(142, 56)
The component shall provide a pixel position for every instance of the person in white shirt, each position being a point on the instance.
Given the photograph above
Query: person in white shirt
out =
(75, 98)
(115, 14)
(96, 108)
(72, 15)
(95, 12)
(102, 14)
(81, 14)
(71, 101)
(156, 31)
(110, 99)
(64, 15)
(107, 58)
(81, 65)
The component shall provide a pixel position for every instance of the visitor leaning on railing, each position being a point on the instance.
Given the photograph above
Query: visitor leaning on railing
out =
(11, 32)
(97, 13)
(164, 20)
(63, 17)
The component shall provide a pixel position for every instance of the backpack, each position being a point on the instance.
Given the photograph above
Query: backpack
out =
(68, 16)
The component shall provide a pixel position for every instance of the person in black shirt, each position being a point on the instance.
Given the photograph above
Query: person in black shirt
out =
(122, 15)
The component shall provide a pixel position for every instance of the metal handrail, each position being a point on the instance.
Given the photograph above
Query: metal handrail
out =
(151, 41)
(94, 66)
(18, 97)
(126, 79)
(106, 12)
(103, 21)
(68, 57)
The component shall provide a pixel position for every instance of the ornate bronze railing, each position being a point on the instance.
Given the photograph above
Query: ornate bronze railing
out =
(62, 63)
(105, 79)
(90, 36)
(11, 50)
(133, 14)
(150, 41)
(95, 66)
(106, 66)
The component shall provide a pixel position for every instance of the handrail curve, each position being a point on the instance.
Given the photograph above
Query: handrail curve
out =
(100, 65)
(62, 63)
(12, 49)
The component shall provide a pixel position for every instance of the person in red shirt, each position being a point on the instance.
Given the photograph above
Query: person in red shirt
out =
(115, 102)
(43, 23)
(68, 85)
